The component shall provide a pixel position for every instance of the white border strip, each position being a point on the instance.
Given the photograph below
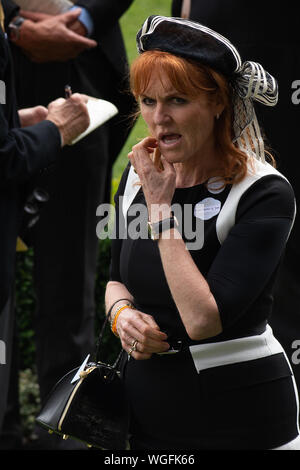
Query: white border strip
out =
(206, 356)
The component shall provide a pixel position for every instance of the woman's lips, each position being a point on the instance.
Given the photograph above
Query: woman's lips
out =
(169, 140)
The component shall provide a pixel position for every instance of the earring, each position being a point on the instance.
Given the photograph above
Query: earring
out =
(217, 116)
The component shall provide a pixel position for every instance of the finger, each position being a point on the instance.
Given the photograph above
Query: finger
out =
(139, 356)
(132, 351)
(145, 343)
(145, 347)
(136, 340)
(34, 16)
(140, 328)
(58, 101)
(139, 157)
(157, 160)
(151, 347)
(138, 325)
(40, 113)
(70, 16)
(78, 28)
(149, 142)
(86, 97)
(167, 166)
(79, 98)
(143, 333)
(81, 41)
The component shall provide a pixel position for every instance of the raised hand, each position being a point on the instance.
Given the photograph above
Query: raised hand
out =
(158, 179)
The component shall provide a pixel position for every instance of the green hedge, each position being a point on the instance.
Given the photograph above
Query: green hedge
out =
(26, 303)
(25, 312)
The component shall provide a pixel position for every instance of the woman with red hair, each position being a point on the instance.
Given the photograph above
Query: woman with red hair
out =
(190, 302)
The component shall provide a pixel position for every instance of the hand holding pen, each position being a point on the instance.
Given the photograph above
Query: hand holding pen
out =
(69, 114)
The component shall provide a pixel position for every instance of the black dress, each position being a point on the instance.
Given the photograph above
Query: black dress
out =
(244, 404)
(250, 27)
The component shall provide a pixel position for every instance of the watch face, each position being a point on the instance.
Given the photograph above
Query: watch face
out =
(151, 232)
(156, 228)
(14, 28)
(13, 32)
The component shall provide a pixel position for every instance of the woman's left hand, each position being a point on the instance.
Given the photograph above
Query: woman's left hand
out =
(32, 116)
(158, 184)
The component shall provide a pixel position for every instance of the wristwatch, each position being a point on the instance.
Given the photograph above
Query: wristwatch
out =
(156, 228)
(14, 27)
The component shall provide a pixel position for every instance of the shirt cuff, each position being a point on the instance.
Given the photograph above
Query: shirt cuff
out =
(86, 19)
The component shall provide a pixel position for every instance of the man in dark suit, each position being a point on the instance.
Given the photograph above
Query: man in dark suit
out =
(23, 153)
(256, 29)
(49, 52)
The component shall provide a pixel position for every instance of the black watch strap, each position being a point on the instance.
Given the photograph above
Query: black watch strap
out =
(156, 228)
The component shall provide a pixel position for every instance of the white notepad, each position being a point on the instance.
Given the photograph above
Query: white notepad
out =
(100, 111)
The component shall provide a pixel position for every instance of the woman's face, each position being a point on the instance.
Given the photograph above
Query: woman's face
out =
(183, 126)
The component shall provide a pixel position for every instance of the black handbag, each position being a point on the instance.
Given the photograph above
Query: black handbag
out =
(93, 409)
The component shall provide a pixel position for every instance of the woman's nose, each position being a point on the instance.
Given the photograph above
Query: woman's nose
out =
(161, 114)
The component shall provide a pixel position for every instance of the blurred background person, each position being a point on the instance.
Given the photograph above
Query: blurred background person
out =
(23, 153)
(83, 48)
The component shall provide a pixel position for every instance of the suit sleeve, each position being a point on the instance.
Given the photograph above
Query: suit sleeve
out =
(11, 9)
(23, 151)
(105, 13)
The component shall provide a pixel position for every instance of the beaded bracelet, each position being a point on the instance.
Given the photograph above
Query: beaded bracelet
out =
(111, 308)
(116, 315)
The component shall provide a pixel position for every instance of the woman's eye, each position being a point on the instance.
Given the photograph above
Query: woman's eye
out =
(147, 101)
(178, 100)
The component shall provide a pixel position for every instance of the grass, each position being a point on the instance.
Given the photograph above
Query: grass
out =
(130, 22)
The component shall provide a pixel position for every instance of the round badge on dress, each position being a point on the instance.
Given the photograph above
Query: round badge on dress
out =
(215, 185)
(207, 208)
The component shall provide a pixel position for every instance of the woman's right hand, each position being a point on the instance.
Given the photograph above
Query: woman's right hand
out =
(140, 329)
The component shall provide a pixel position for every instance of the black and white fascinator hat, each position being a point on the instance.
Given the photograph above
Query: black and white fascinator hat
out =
(249, 81)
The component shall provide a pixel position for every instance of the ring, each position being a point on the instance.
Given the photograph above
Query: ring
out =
(129, 353)
(133, 347)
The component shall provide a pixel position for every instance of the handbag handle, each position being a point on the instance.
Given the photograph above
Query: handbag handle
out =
(101, 334)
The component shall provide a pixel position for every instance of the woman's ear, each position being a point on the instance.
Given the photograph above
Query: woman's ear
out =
(218, 104)
(219, 108)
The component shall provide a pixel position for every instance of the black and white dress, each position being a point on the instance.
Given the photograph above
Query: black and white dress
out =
(235, 390)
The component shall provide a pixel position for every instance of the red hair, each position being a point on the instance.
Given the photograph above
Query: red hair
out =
(191, 78)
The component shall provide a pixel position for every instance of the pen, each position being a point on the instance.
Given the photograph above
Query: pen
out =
(68, 91)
